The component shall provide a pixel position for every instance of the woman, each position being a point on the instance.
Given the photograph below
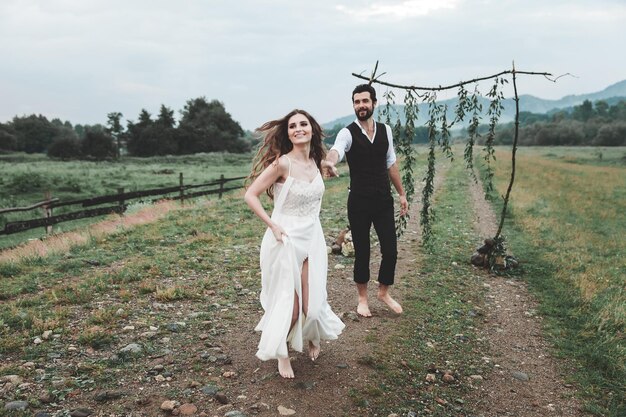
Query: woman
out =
(293, 251)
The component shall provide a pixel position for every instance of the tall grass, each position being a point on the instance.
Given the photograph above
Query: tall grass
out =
(568, 225)
(27, 178)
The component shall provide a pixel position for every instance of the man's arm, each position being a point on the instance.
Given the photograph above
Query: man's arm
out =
(329, 165)
(394, 175)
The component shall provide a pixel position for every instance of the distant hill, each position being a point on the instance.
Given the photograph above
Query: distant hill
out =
(611, 94)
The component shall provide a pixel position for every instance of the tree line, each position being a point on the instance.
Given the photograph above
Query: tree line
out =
(204, 126)
(588, 124)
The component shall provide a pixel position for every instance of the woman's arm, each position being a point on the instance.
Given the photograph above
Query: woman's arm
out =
(269, 176)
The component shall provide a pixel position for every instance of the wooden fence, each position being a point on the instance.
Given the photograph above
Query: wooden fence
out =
(121, 199)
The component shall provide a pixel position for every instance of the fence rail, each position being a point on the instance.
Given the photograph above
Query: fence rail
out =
(121, 198)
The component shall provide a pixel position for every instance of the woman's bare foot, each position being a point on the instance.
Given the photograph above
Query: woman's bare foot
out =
(284, 368)
(383, 295)
(314, 351)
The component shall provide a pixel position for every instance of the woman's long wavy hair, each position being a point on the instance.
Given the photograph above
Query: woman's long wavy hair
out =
(276, 143)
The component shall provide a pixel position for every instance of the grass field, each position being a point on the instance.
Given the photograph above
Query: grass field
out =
(567, 223)
(26, 178)
(566, 227)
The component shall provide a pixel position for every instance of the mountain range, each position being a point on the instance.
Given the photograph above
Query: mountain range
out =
(528, 103)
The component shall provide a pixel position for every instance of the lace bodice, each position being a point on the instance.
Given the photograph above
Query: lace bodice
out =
(304, 198)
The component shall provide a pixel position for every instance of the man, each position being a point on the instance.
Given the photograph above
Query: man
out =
(368, 147)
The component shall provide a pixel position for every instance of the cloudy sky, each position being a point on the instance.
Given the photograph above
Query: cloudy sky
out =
(81, 59)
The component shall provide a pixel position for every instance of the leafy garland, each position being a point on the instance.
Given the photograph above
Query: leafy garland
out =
(439, 135)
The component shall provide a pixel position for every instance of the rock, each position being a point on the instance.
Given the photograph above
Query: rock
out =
(81, 412)
(342, 365)
(46, 335)
(119, 312)
(339, 266)
(431, 377)
(42, 414)
(448, 378)
(168, 405)
(16, 405)
(520, 376)
(235, 413)
(24, 386)
(258, 407)
(188, 409)
(476, 377)
(209, 390)
(37, 341)
(46, 397)
(159, 378)
(128, 328)
(229, 374)
(221, 398)
(28, 365)
(173, 327)
(131, 348)
(347, 249)
(284, 411)
(441, 401)
(108, 396)
(393, 415)
(13, 379)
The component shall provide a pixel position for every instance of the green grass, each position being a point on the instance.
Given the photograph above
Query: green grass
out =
(568, 227)
(26, 179)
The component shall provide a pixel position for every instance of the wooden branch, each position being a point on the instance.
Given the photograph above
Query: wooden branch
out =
(449, 87)
(34, 206)
(513, 152)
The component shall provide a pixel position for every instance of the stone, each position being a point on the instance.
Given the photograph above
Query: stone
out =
(258, 407)
(131, 348)
(159, 378)
(128, 328)
(42, 414)
(28, 365)
(221, 398)
(235, 413)
(108, 396)
(431, 377)
(448, 378)
(520, 376)
(81, 412)
(46, 335)
(209, 390)
(342, 365)
(13, 379)
(284, 411)
(229, 374)
(476, 377)
(168, 405)
(37, 341)
(16, 405)
(188, 409)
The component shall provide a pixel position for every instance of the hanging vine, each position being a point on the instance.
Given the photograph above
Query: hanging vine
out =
(438, 134)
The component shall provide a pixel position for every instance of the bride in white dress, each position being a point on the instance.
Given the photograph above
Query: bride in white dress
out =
(293, 251)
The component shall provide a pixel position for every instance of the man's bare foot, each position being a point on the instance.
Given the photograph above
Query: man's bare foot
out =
(393, 304)
(314, 351)
(363, 309)
(284, 368)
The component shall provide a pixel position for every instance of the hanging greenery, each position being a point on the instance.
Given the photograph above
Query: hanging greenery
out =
(467, 107)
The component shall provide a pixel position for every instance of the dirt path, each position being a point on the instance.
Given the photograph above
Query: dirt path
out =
(526, 380)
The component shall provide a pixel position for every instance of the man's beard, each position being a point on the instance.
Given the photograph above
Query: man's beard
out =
(368, 114)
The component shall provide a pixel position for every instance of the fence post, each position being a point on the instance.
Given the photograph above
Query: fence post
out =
(121, 200)
(221, 185)
(47, 212)
(182, 190)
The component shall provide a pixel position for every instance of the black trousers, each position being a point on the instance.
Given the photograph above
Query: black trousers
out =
(363, 212)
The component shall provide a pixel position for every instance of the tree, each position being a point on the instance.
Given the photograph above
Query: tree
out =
(65, 148)
(207, 127)
(134, 131)
(98, 145)
(34, 133)
(115, 129)
(583, 112)
(8, 138)
(166, 117)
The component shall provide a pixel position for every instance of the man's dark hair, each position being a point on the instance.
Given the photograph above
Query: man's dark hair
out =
(365, 88)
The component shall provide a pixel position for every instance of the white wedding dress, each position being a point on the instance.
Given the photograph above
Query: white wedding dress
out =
(296, 209)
